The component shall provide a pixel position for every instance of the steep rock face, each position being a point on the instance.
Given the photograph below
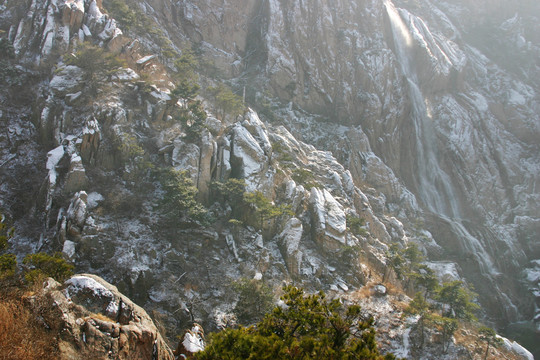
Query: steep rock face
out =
(428, 118)
(448, 116)
(99, 322)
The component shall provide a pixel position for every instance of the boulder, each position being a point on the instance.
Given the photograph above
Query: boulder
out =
(328, 219)
(206, 165)
(97, 322)
(289, 240)
(248, 159)
(76, 177)
(191, 342)
(77, 214)
(89, 144)
(186, 156)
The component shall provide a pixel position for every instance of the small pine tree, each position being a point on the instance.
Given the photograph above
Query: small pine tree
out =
(305, 327)
(356, 225)
(458, 300)
(96, 62)
(187, 86)
(419, 306)
(447, 327)
(41, 265)
(254, 300)
(264, 208)
(227, 102)
(180, 198)
(8, 262)
(8, 265)
(490, 337)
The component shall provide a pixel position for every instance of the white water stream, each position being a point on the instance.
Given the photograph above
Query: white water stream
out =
(434, 185)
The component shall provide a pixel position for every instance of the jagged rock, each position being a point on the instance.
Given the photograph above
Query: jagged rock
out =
(207, 165)
(76, 178)
(90, 140)
(125, 75)
(290, 243)
(77, 214)
(223, 164)
(214, 125)
(68, 79)
(98, 322)
(73, 14)
(186, 156)
(328, 217)
(256, 128)
(248, 160)
(191, 342)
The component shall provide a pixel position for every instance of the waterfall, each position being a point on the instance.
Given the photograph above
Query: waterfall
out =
(435, 188)
(433, 183)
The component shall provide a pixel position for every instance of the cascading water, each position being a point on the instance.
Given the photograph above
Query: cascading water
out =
(435, 188)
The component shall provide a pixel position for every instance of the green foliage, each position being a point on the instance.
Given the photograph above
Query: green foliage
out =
(131, 18)
(264, 208)
(305, 178)
(349, 255)
(396, 261)
(427, 319)
(6, 233)
(423, 277)
(407, 265)
(8, 72)
(458, 300)
(8, 262)
(254, 300)
(186, 78)
(419, 306)
(8, 265)
(134, 157)
(447, 327)
(180, 198)
(307, 327)
(43, 265)
(490, 337)
(282, 154)
(126, 16)
(230, 191)
(227, 102)
(96, 62)
(192, 118)
(7, 51)
(356, 225)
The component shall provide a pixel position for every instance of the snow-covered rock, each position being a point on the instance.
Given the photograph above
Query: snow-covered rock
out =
(328, 219)
(101, 321)
(290, 242)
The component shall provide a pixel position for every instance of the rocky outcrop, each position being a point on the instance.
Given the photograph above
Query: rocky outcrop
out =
(60, 24)
(98, 322)
(191, 342)
(289, 240)
(396, 112)
(328, 219)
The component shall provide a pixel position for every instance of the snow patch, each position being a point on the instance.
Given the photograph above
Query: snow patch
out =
(94, 199)
(515, 347)
(53, 158)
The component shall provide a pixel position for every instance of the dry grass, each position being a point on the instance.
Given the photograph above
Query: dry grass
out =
(22, 335)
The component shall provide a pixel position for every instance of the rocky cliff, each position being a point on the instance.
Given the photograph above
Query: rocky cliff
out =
(96, 321)
(403, 114)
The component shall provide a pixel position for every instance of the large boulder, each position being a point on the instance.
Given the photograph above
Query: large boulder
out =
(328, 219)
(98, 322)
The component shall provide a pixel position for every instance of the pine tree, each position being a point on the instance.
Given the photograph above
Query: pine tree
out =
(307, 326)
